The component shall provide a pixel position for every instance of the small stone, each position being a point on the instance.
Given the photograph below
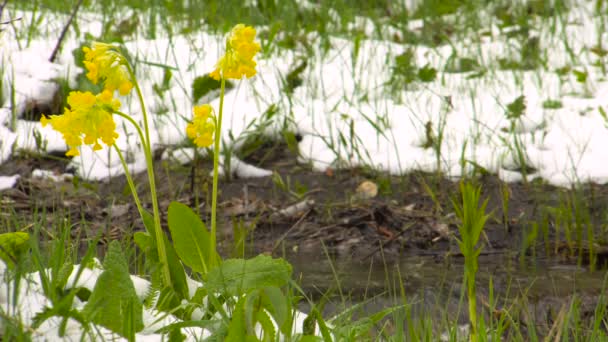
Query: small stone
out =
(367, 190)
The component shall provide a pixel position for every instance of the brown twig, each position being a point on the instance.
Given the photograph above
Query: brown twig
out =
(64, 32)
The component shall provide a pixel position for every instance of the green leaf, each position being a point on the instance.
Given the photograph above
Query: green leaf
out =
(203, 85)
(237, 329)
(12, 245)
(204, 324)
(144, 241)
(265, 321)
(427, 73)
(238, 276)
(147, 242)
(169, 301)
(114, 303)
(581, 76)
(176, 271)
(310, 338)
(191, 238)
(276, 303)
(148, 220)
(516, 108)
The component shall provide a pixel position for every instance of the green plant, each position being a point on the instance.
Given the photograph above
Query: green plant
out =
(250, 288)
(505, 196)
(473, 217)
(296, 190)
(514, 112)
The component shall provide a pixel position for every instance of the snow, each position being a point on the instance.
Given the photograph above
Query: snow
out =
(344, 111)
(7, 182)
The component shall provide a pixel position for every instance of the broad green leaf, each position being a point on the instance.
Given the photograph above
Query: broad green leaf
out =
(147, 242)
(12, 245)
(148, 220)
(143, 240)
(276, 303)
(191, 238)
(239, 276)
(176, 270)
(114, 303)
(237, 330)
(265, 321)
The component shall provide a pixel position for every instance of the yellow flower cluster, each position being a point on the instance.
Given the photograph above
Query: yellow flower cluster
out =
(105, 62)
(240, 50)
(202, 126)
(89, 118)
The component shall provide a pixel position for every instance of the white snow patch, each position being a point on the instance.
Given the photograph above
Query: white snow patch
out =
(7, 182)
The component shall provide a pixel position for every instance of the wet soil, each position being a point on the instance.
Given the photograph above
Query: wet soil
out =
(542, 246)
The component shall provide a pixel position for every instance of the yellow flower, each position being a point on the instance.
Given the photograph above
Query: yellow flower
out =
(238, 59)
(105, 62)
(88, 119)
(202, 126)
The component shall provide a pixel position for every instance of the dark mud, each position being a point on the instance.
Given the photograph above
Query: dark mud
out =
(542, 248)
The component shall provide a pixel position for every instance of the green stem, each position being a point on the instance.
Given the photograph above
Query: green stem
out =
(472, 306)
(216, 154)
(130, 182)
(160, 242)
(130, 119)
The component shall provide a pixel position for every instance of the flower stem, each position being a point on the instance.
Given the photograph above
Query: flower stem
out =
(130, 119)
(160, 241)
(474, 337)
(216, 154)
(130, 182)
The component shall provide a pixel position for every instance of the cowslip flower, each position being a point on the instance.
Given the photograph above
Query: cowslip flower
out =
(89, 119)
(105, 62)
(238, 59)
(201, 129)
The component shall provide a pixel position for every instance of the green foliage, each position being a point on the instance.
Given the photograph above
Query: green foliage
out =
(114, 303)
(427, 73)
(457, 64)
(405, 67)
(203, 85)
(239, 276)
(405, 72)
(294, 77)
(349, 328)
(147, 242)
(165, 84)
(13, 246)
(438, 8)
(265, 306)
(237, 329)
(473, 218)
(297, 189)
(581, 75)
(516, 108)
(191, 239)
(552, 104)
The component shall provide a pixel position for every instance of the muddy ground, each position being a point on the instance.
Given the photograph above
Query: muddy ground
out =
(330, 228)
